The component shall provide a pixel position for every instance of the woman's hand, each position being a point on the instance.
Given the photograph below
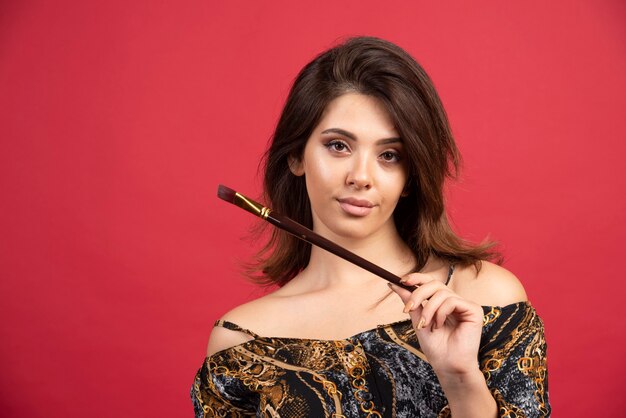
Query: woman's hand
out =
(447, 326)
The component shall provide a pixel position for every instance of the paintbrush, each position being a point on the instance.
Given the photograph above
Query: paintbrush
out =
(304, 233)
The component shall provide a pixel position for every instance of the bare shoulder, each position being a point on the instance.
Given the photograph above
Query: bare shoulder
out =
(493, 285)
(247, 316)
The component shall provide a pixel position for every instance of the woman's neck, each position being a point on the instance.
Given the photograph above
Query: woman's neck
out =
(326, 271)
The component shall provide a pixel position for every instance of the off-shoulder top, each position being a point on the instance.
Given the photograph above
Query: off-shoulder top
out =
(376, 373)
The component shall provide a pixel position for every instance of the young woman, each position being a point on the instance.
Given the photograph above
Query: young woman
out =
(360, 155)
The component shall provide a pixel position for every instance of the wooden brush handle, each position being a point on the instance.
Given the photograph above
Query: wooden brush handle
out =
(311, 237)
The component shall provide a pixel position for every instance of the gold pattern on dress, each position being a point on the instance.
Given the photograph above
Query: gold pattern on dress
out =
(503, 325)
(396, 339)
(506, 410)
(211, 407)
(491, 316)
(354, 358)
(262, 359)
(389, 375)
(292, 378)
(532, 364)
(316, 391)
(329, 386)
(263, 378)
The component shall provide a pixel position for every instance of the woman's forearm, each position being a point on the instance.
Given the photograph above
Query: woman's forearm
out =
(468, 395)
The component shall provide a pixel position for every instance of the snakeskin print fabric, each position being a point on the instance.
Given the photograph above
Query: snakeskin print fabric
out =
(376, 373)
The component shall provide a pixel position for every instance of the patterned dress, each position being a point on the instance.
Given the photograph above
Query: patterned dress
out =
(376, 373)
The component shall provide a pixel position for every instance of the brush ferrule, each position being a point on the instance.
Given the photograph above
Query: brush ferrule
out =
(251, 206)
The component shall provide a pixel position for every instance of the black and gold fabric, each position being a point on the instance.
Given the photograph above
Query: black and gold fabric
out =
(377, 373)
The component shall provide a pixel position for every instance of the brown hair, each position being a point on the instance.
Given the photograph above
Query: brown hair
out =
(380, 69)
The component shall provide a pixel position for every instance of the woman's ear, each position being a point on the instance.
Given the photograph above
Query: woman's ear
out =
(296, 166)
(407, 189)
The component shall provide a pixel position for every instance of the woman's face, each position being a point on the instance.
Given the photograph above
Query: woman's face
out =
(354, 169)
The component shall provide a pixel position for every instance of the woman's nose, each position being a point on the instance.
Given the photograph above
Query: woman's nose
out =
(359, 176)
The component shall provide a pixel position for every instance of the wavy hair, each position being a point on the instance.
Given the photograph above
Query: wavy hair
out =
(380, 69)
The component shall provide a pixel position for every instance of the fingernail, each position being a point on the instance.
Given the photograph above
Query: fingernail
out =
(421, 323)
(408, 306)
(403, 281)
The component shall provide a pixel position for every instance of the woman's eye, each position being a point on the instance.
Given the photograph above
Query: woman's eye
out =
(337, 146)
(390, 156)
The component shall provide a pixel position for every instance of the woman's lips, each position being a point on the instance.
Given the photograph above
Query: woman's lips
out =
(355, 207)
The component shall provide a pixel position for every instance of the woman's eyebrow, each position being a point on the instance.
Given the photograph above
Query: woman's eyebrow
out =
(352, 136)
(386, 141)
(340, 131)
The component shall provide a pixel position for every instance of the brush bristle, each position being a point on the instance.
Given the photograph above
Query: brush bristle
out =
(225, 193)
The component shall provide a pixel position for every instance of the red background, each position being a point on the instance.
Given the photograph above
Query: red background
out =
(118, 120)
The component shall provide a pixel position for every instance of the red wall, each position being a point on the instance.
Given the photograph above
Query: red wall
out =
(119, 118)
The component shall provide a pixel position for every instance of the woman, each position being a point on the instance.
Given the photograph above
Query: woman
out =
(360, 155)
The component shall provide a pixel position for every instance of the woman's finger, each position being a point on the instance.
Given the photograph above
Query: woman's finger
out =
(425, 292)
(404, 294)
(414, 311)
(462, 309)
(432, 305)
(417, 279)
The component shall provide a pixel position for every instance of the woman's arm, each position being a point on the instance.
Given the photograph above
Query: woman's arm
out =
(449, 329)
(468, 395)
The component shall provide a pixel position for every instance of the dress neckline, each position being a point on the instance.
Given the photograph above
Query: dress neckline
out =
(234, 327)
(258, 338)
